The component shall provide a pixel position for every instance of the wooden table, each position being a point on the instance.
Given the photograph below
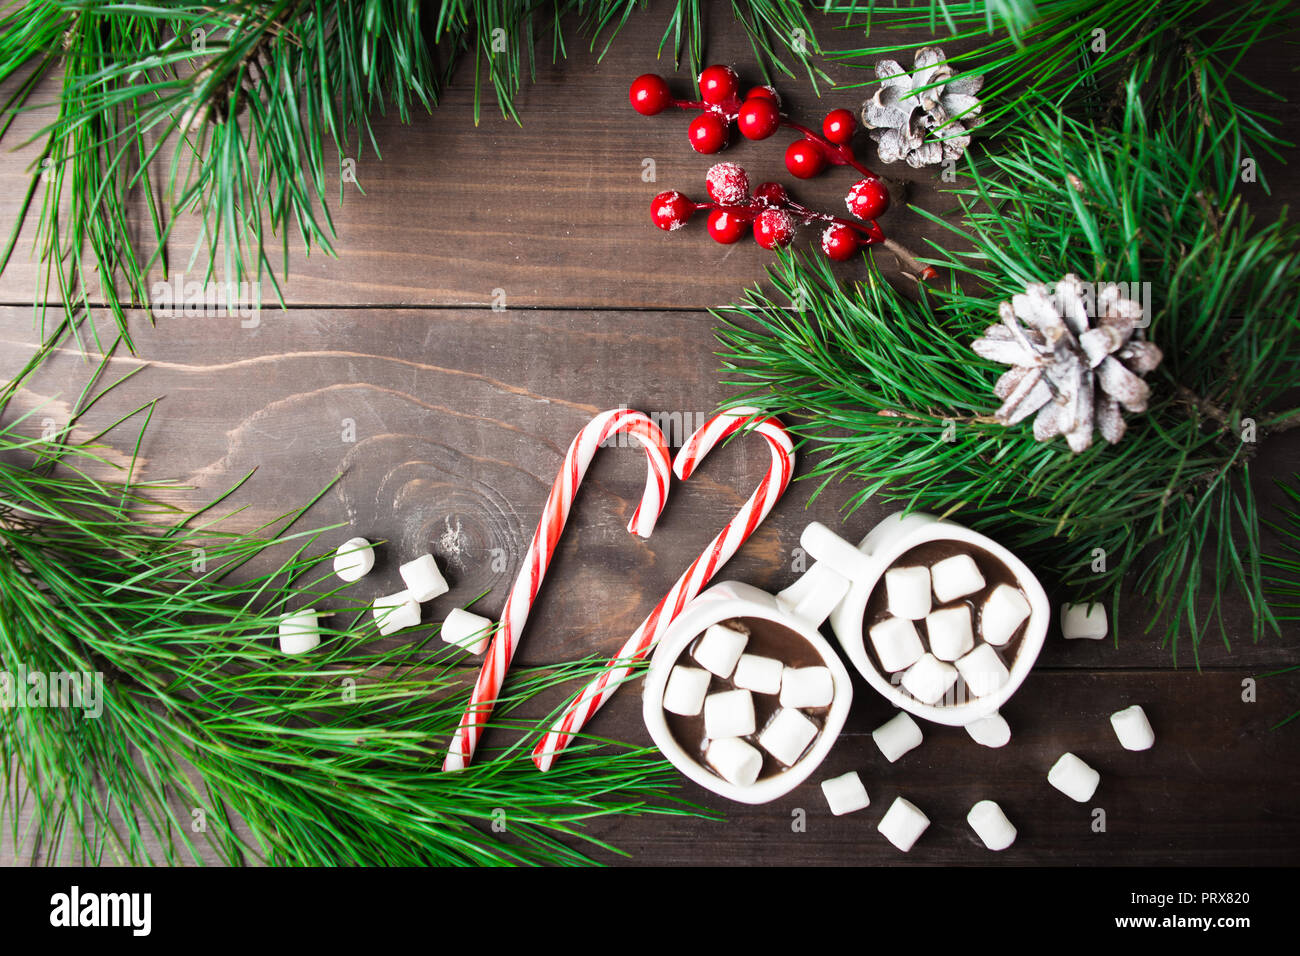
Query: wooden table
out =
(461, 413)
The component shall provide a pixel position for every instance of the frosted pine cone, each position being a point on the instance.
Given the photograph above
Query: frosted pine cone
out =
(1074, 362)
(923, 126)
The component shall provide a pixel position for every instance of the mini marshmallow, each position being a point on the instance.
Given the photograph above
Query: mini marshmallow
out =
(423, 579)
(983, 670)
(469, 632)
(807, 687)
(687, 687)
(949, 632)
(393, 612)
(737, 760)
(991, 825)
(1074, 778)
(1132, 728)
(897, 736)
(720, 648)
(908, 590)
(1083, 621)
(1003, 612)
(762, 675)
(299, 631)
(729, 713)
(897, 644)
(787, 735)
(354, 559)
(929, 679)
(991, 731)
(845, 794)
(903, 824)
(955, 577)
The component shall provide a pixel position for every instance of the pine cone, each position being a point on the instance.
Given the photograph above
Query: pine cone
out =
(927, 127)
(1074, 365)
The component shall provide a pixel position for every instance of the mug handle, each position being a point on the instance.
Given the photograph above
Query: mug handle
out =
(824, 585)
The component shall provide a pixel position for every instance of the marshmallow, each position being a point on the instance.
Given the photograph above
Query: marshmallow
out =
(1003, 612)
(983, 670)
(807, 687)
(729, 713)
(897, 736)
(423, 579)
(991, 825)
(949, 632)
(1074, 778)
(393, 612)
(908, 590)
(299, 631)
(354, 559)
(1083, 620)
(845, 794)
(991, 731)
(787, 735)
(469, 632)
(720, 648)
(738, 761)
(955, 577)
(897, 644)
(903, 824)
(929, 679)
(762, 675)
(1132, 728)
(686, 690)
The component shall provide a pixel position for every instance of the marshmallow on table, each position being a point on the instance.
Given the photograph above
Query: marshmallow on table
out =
(903, 824)
(1004, 610)
(949, 631)
(807, 687)
(299, 631)
(1132, 728)
(720, 648)
(983, 670)
(738, 761)
(729, 713)
(991, 731)
(955, 577)
(393, 612)
(423, 579)
(468, 631)
(897, 644)
(991, 825)
(686, 689)
(787, 735)
(908, 590)
(897, 736)
(762, 675)
(1083, 621)
(1074, 778)
(845, 794)
(929, 679)
(354, 559)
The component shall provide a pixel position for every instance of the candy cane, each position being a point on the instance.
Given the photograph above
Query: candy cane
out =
(558, 504)
(720, 549)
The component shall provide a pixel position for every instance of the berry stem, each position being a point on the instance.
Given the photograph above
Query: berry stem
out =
(923, 273)
(837, 154)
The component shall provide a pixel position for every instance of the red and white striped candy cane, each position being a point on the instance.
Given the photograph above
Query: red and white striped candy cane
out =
(720, 549)
(514, 615)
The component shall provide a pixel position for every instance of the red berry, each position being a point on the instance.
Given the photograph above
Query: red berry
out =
(727, 183)
(773, 194)
(868, 199)
(804, 158)
(839, 242)
(718, 84)
(759, 118)
(649, 94)
(725, 226)
(671, 210)
(708, 133)
(764, 92)
(773, 227)
(838, 127)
